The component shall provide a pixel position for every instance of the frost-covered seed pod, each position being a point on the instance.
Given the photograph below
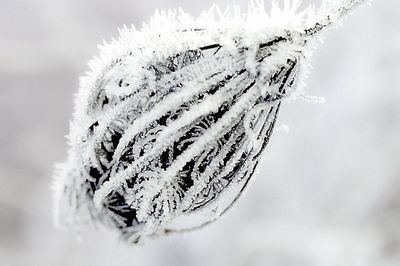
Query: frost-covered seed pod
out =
(172, 120)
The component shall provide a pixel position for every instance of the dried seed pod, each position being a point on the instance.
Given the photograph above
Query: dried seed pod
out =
(172, 120)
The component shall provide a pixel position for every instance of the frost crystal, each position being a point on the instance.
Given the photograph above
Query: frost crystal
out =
(171, 120)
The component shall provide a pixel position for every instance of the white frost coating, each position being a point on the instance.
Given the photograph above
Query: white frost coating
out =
(172, 117)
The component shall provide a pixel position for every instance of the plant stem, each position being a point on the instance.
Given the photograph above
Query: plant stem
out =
(329, 15)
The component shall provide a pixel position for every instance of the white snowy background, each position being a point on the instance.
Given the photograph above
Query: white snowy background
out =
(327, 192)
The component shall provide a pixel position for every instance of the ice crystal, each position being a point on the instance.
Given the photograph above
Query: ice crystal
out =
(171, 120)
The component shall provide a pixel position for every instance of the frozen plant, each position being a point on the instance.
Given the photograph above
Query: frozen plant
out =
(172, 120)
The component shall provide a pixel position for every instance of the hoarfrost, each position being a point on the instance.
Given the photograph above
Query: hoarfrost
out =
(171, 120)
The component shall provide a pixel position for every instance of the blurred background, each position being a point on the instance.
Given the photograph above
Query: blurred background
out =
(326, 193)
